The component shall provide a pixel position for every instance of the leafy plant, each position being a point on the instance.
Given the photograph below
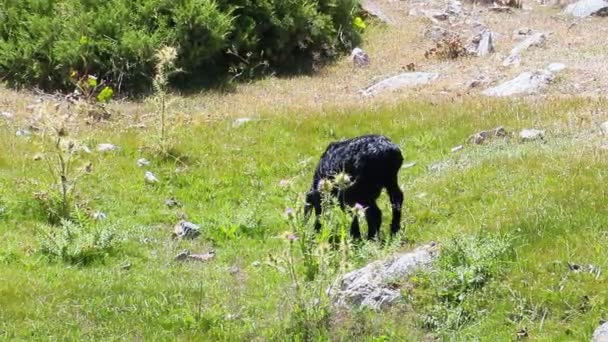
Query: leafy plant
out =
(78, 243)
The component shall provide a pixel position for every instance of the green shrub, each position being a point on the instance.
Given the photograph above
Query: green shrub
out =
(43, 41)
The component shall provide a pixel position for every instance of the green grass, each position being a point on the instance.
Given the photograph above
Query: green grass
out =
(549, 199)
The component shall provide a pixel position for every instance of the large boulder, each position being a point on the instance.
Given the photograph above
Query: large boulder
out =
(587, 8)
(371, 287)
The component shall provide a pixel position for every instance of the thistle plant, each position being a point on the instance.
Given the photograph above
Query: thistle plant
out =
(165, 67)
(63, 158)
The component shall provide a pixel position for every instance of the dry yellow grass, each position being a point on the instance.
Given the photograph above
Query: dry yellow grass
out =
(576, 43)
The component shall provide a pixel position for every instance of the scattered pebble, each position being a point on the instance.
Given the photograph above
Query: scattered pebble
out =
(98, 215)
(233, 270)
(186, 230)
(256, 264)
(107, 147)
(150, 177)
(604, 128)
(172, 203)
(457, 148)
(556, 67)
(528, 134)
(185, 255)
(22, 132)
(143, 162)
(240, 122)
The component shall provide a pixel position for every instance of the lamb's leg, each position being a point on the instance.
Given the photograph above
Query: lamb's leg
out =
(313, 200)
(373, 215)
(355, 232)
(396, 198)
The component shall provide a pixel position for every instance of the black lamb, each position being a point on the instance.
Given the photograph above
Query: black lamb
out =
(373, 163)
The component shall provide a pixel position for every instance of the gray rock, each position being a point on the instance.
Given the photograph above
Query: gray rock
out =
(604, 128)
(587, 8)
(601, 333)
(371, 7)
(529, 134)
(525, 83)
(404, 80)
(370, 285)
(359, 57)
(107, 147)
(534, 40)
(479, 81)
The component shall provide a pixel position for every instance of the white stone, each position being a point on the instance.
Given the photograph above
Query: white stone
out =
(359, 57)
(604, 128)
(601, 333)
(6, 115)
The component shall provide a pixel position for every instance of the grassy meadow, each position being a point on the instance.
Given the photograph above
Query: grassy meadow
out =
(544, 200)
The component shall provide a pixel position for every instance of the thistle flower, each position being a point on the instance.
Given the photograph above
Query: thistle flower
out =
(358, 210)
(342, 180)
(325, 186)
(289, 213)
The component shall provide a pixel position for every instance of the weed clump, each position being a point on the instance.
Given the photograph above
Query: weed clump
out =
(465, 266)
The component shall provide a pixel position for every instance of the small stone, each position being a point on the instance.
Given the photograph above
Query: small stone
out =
(240, 122)
(556, 67)
(481, 137)
(150, 177)
(528, 134)
(6, 115)
(186, 230)
(22, 132)
(457, 148)
(233, 270)
(183, 255)
(172, 203)
(256, 264)
(604, 128)
(141, 162)
(99, 216)
(105, 147)
(359, 57)
(202, 257)
(408, 165)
